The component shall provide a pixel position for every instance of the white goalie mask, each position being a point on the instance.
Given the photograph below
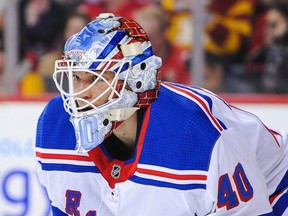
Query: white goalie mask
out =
(109, 45)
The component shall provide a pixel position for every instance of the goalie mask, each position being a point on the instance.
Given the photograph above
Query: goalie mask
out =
(107, 72)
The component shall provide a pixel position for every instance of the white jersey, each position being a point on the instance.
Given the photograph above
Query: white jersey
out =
(195, 155)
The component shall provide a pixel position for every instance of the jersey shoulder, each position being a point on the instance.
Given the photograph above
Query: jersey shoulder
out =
(182, 123)
(195, 104)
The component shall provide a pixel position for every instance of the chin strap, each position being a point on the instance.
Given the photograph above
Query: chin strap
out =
(121, 114)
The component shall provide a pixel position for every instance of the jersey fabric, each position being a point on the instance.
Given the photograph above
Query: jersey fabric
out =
(195, 155)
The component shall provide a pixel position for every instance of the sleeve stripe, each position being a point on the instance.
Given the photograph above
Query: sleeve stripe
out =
(279, 202)
(198, 100)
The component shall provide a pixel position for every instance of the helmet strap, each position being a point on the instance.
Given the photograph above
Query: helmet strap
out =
(121, 114)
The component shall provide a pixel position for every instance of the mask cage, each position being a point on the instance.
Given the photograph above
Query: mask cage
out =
(64, 81)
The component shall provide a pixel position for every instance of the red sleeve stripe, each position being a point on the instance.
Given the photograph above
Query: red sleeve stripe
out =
(172, 176)
(62, 156)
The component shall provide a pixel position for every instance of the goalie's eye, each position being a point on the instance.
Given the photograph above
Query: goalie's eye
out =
(76, 77)
(98, 78)
(95, 77)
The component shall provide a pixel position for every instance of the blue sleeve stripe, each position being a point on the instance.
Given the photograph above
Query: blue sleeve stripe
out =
(69, 167)
(156, 183)
(281, 205)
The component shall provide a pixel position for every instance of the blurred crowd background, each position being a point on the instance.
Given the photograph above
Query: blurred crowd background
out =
(244, 42)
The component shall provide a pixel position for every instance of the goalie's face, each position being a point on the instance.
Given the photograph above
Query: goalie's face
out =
(91, 86)
(90, 91)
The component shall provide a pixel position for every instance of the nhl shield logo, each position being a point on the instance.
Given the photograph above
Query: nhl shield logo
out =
(115, 172)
